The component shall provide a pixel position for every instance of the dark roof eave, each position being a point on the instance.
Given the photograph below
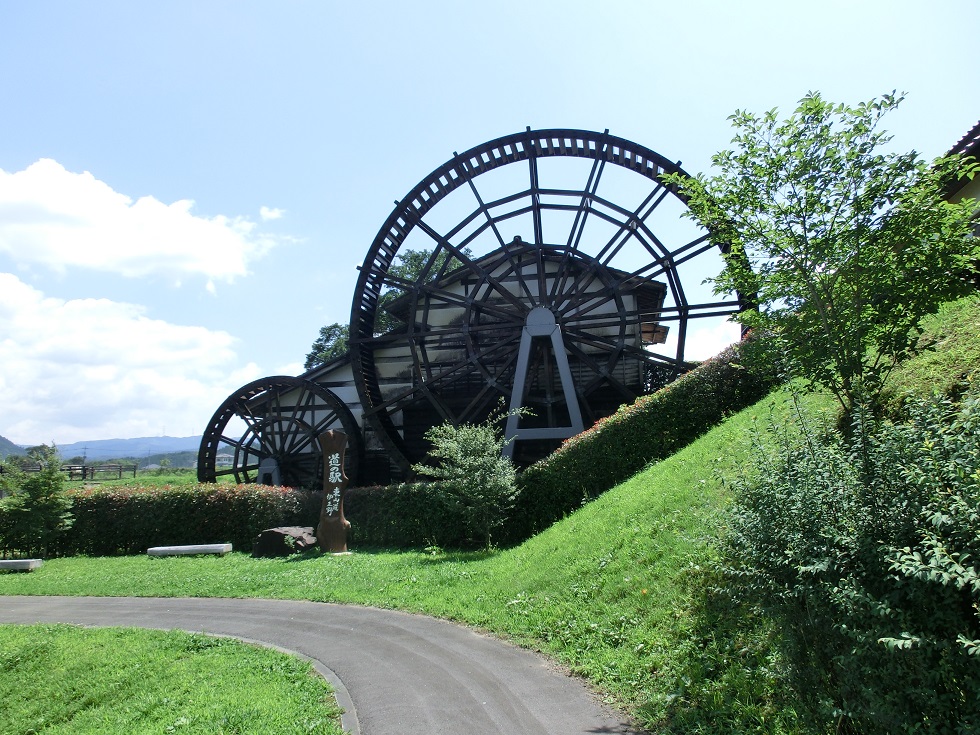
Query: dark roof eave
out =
(969, 144)
(969, 147)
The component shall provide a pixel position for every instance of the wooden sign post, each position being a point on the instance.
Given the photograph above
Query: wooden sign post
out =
(331, 533)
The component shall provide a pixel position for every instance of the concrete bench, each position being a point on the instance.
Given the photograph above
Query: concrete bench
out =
(20, 565)
(219, 549)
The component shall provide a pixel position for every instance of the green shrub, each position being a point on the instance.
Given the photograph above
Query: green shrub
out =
(38, 510)
(478, 484)
(128, 520)
(413, 515)
(650, 429)
(864, 549)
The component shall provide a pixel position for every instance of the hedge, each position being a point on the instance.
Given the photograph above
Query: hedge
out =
(410, 514)
(128, 520)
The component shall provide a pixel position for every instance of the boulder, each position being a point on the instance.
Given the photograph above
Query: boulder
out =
(284, 541)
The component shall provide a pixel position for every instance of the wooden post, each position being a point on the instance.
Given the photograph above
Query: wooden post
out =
(331, 532)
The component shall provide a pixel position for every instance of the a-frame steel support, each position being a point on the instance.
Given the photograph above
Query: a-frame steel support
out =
(541, 324)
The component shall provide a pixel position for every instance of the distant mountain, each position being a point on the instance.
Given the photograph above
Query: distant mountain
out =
(8, 448)
(119, 448)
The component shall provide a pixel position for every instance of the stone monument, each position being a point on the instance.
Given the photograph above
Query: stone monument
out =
(331, 532)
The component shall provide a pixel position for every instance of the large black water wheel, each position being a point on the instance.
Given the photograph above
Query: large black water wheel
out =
(566, 290)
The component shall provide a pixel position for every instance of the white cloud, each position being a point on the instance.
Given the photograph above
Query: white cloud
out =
(289, 368)
(707, 339)
(267, 213)
(61, 219)
(97, 369)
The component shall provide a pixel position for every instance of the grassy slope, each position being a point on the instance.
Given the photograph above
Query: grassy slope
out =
(953, 340)
(616, 591)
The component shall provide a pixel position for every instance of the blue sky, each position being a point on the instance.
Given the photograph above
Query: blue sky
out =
(186, 188)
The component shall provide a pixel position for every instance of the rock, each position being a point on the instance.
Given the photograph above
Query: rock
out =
(284, 541)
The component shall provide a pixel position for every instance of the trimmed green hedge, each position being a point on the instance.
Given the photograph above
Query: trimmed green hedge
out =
(648, 430)
(410, 514)
(128, 520)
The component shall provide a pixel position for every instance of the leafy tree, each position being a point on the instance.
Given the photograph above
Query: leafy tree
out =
(843, 244)
(334, 339)
(38, 510)
(331, 343)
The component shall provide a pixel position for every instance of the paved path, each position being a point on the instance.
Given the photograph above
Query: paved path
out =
(396, 673)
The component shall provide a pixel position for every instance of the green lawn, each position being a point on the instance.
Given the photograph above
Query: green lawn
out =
(63, 679)
(180, 477)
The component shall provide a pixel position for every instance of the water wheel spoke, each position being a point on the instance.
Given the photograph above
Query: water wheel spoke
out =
(433, 291)
(582, 294)
(532, 164)
(690, 250)
(442, 374)
(602, 373)
(695, 311)
(481, 206)
(479, 403)
(577, 230)
(472, 265)
(609, 345)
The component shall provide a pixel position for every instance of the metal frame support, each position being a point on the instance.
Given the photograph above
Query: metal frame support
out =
(540, 324)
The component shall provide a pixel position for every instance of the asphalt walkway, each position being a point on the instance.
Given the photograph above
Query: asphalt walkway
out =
(395, 673)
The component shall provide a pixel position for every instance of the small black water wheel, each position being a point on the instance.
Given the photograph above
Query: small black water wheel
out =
(267, 431)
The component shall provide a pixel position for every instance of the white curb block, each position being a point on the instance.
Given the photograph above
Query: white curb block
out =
(219, 549)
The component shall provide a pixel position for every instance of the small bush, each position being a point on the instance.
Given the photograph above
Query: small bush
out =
(478, 484)
(865, 550)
